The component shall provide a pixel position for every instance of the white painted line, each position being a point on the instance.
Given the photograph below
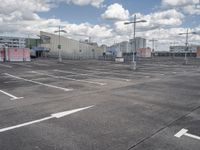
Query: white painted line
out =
(184, 132)
(38, 64)
(62, 71)
(10, 95)
(60, 77)
(24, 65)
(96, 71)
(56, 115)
(5, 65)
(192, 136)
(147, 76)
(92, 75)
(47, 85)
(7, 82)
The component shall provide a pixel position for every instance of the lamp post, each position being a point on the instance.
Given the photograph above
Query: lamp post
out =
(186, 43)
(134, 37)
(153, 45)
(59, 45)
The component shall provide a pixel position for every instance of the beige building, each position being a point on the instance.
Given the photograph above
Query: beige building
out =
(70, 49)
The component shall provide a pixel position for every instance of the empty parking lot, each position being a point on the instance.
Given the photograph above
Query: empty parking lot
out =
(99, 105)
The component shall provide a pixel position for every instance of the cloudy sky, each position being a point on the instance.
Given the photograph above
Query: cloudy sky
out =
(103, 20)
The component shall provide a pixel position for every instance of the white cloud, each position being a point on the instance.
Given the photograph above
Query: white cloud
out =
(166, 18)
(175, 3)
(95, 3)
(190, 7)
(22, 17)
(115, 12)
(95, 31)
(154, 21)
(13, 10)
(191, 10)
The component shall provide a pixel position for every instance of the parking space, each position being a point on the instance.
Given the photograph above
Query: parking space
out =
(83, 105)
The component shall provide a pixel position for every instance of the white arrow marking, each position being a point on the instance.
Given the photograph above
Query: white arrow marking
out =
(10, 95)
(184, 132)
(47, 85)
(56, 115)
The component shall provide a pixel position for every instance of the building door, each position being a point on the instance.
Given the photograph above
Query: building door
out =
(93, 53)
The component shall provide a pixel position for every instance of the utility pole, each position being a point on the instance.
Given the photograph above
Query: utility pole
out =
(59, 49)
(134, 38)
(186, 48)
(134, 51)
(186, 44)
(59, 45)
(153, 44)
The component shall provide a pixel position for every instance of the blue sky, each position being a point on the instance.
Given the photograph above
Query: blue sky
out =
(78, 14)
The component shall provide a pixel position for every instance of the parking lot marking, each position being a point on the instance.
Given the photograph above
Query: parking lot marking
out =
(72, 79)
(23, 65)
(91, 75)
(47, 85)
(40, 64)
(96, 71)
(7, 82)
(62, 71)
(56, 115)
(10, 95)
(5, 65)
(184, 132)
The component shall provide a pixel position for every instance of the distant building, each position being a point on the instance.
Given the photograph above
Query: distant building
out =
(140, 43)
(144, 52)
(182, 49)
(12, 42)
(70, 49)
(127, 46)
(33, 42)
(123, 47)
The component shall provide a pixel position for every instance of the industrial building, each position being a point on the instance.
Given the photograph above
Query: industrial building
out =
(182, 49)
(13, 49)
(127, 47)
(140, 43)
(70, 49)
(12, 42)
(123, 47)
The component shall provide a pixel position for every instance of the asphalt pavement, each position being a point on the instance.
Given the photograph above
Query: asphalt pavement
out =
(100, 105)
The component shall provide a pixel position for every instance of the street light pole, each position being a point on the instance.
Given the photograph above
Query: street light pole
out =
(186, 48)
(153, 44)
(134, 51)
(134, 38)
(59, 48)
(186, 44)
(59, 44)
